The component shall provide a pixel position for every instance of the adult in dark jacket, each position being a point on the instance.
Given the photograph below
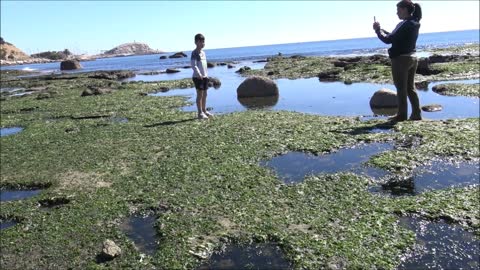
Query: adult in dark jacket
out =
(402, 54)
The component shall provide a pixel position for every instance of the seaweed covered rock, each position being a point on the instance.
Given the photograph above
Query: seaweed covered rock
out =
(257, 86)
(112, 75)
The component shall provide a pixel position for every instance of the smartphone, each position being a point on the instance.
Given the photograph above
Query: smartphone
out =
(374, 19)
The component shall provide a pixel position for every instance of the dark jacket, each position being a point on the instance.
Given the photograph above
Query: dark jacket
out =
(403, 40)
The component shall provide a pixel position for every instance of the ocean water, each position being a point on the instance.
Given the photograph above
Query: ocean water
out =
(359, 46)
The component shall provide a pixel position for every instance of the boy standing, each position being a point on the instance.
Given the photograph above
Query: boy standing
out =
(200, 76)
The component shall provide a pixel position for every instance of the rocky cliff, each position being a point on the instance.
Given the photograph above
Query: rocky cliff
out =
(9, 52)
(132, 49)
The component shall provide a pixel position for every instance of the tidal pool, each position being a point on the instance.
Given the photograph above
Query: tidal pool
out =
(326, 98)
(253, 256)
(13, 195)
(7, 224)
(141, 230)
(440, 246)
(435, 176)
(293, 167)
(9, 131)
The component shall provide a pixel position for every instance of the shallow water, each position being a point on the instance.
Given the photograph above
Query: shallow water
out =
(440, 246)
(13, 195)
(437, 175)
(293, 167)
(253, 256)
(323, 98)
(9, 131)
(142, 232)
(7, 224)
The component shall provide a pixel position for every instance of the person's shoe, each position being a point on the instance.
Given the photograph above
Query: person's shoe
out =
(396, 118)
(415, 118)
(208, 114)
(202, 116)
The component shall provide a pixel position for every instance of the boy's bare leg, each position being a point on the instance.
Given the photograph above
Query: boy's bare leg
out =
(204, 101)
(200, 101)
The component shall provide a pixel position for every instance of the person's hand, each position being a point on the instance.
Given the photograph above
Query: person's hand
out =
(376, 26)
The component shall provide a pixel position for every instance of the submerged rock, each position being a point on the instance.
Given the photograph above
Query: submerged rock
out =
(384, 98)
(257, 86)
(70, 65)
(112, 75)
(211, 65)
(93, 90)
(243, 69)
(432, 108)
(330, 75)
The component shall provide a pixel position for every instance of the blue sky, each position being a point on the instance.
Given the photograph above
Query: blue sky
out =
(92, 26)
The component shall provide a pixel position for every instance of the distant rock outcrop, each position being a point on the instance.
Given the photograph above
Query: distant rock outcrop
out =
(53, 55)
(70, 65)
(178, 55)
(134, 48)
(9, 52)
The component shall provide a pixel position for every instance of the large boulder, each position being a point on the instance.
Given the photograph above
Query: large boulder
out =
(384, 98)
(257, 86)
(70, 65)
(178, 55)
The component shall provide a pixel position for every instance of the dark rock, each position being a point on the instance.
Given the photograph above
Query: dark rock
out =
(163, 57)
(211, 65)
(270, 73)
(340, 64)
(423, 67)
(256, 86)
(298, 57)
(440, 89)
(178, 55)
(95, 91)
(112, 75)
(214, 82)
(243, 69)
(432, 108)
(70, 65)
(330, 75)
(347, 82)
(384, 98)
(230, 66)
(423, 85)
(171, 70)
(186, 67)
(258, 102)
(221, 64)
(355, 59)
(261, 61)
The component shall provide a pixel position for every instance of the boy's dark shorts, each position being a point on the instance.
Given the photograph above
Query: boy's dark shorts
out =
(200, 84)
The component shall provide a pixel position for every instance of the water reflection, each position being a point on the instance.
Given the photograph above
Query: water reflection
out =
(253, 256)
(9, 131)
(13, 195)
(259, 102)
(440, 246)
(293, 167)
(142, 232)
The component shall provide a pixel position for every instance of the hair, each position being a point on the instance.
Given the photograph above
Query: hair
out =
(199, 37)
(414, 9)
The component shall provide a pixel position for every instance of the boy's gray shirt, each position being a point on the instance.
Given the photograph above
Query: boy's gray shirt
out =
(198, 62)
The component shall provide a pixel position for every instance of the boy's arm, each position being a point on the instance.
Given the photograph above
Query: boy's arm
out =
(194, 63)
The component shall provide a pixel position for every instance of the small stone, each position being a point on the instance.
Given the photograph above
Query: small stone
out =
(110, 249)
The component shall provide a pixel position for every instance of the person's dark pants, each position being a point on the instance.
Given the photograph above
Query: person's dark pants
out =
(403, 72)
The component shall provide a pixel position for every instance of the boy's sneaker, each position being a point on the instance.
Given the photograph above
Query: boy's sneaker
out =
(208, 114)
(202, 116)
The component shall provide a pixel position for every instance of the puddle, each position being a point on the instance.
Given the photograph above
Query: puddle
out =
(120, 120)
(253, 256)
(9, 131)
(7, 224)
(326, 98)
(438, 175)
(440, 246)
(141, 230)
(293, 167)
(53, 203)
(13, 195)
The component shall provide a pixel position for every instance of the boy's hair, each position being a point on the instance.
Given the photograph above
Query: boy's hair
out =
(199, 37)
